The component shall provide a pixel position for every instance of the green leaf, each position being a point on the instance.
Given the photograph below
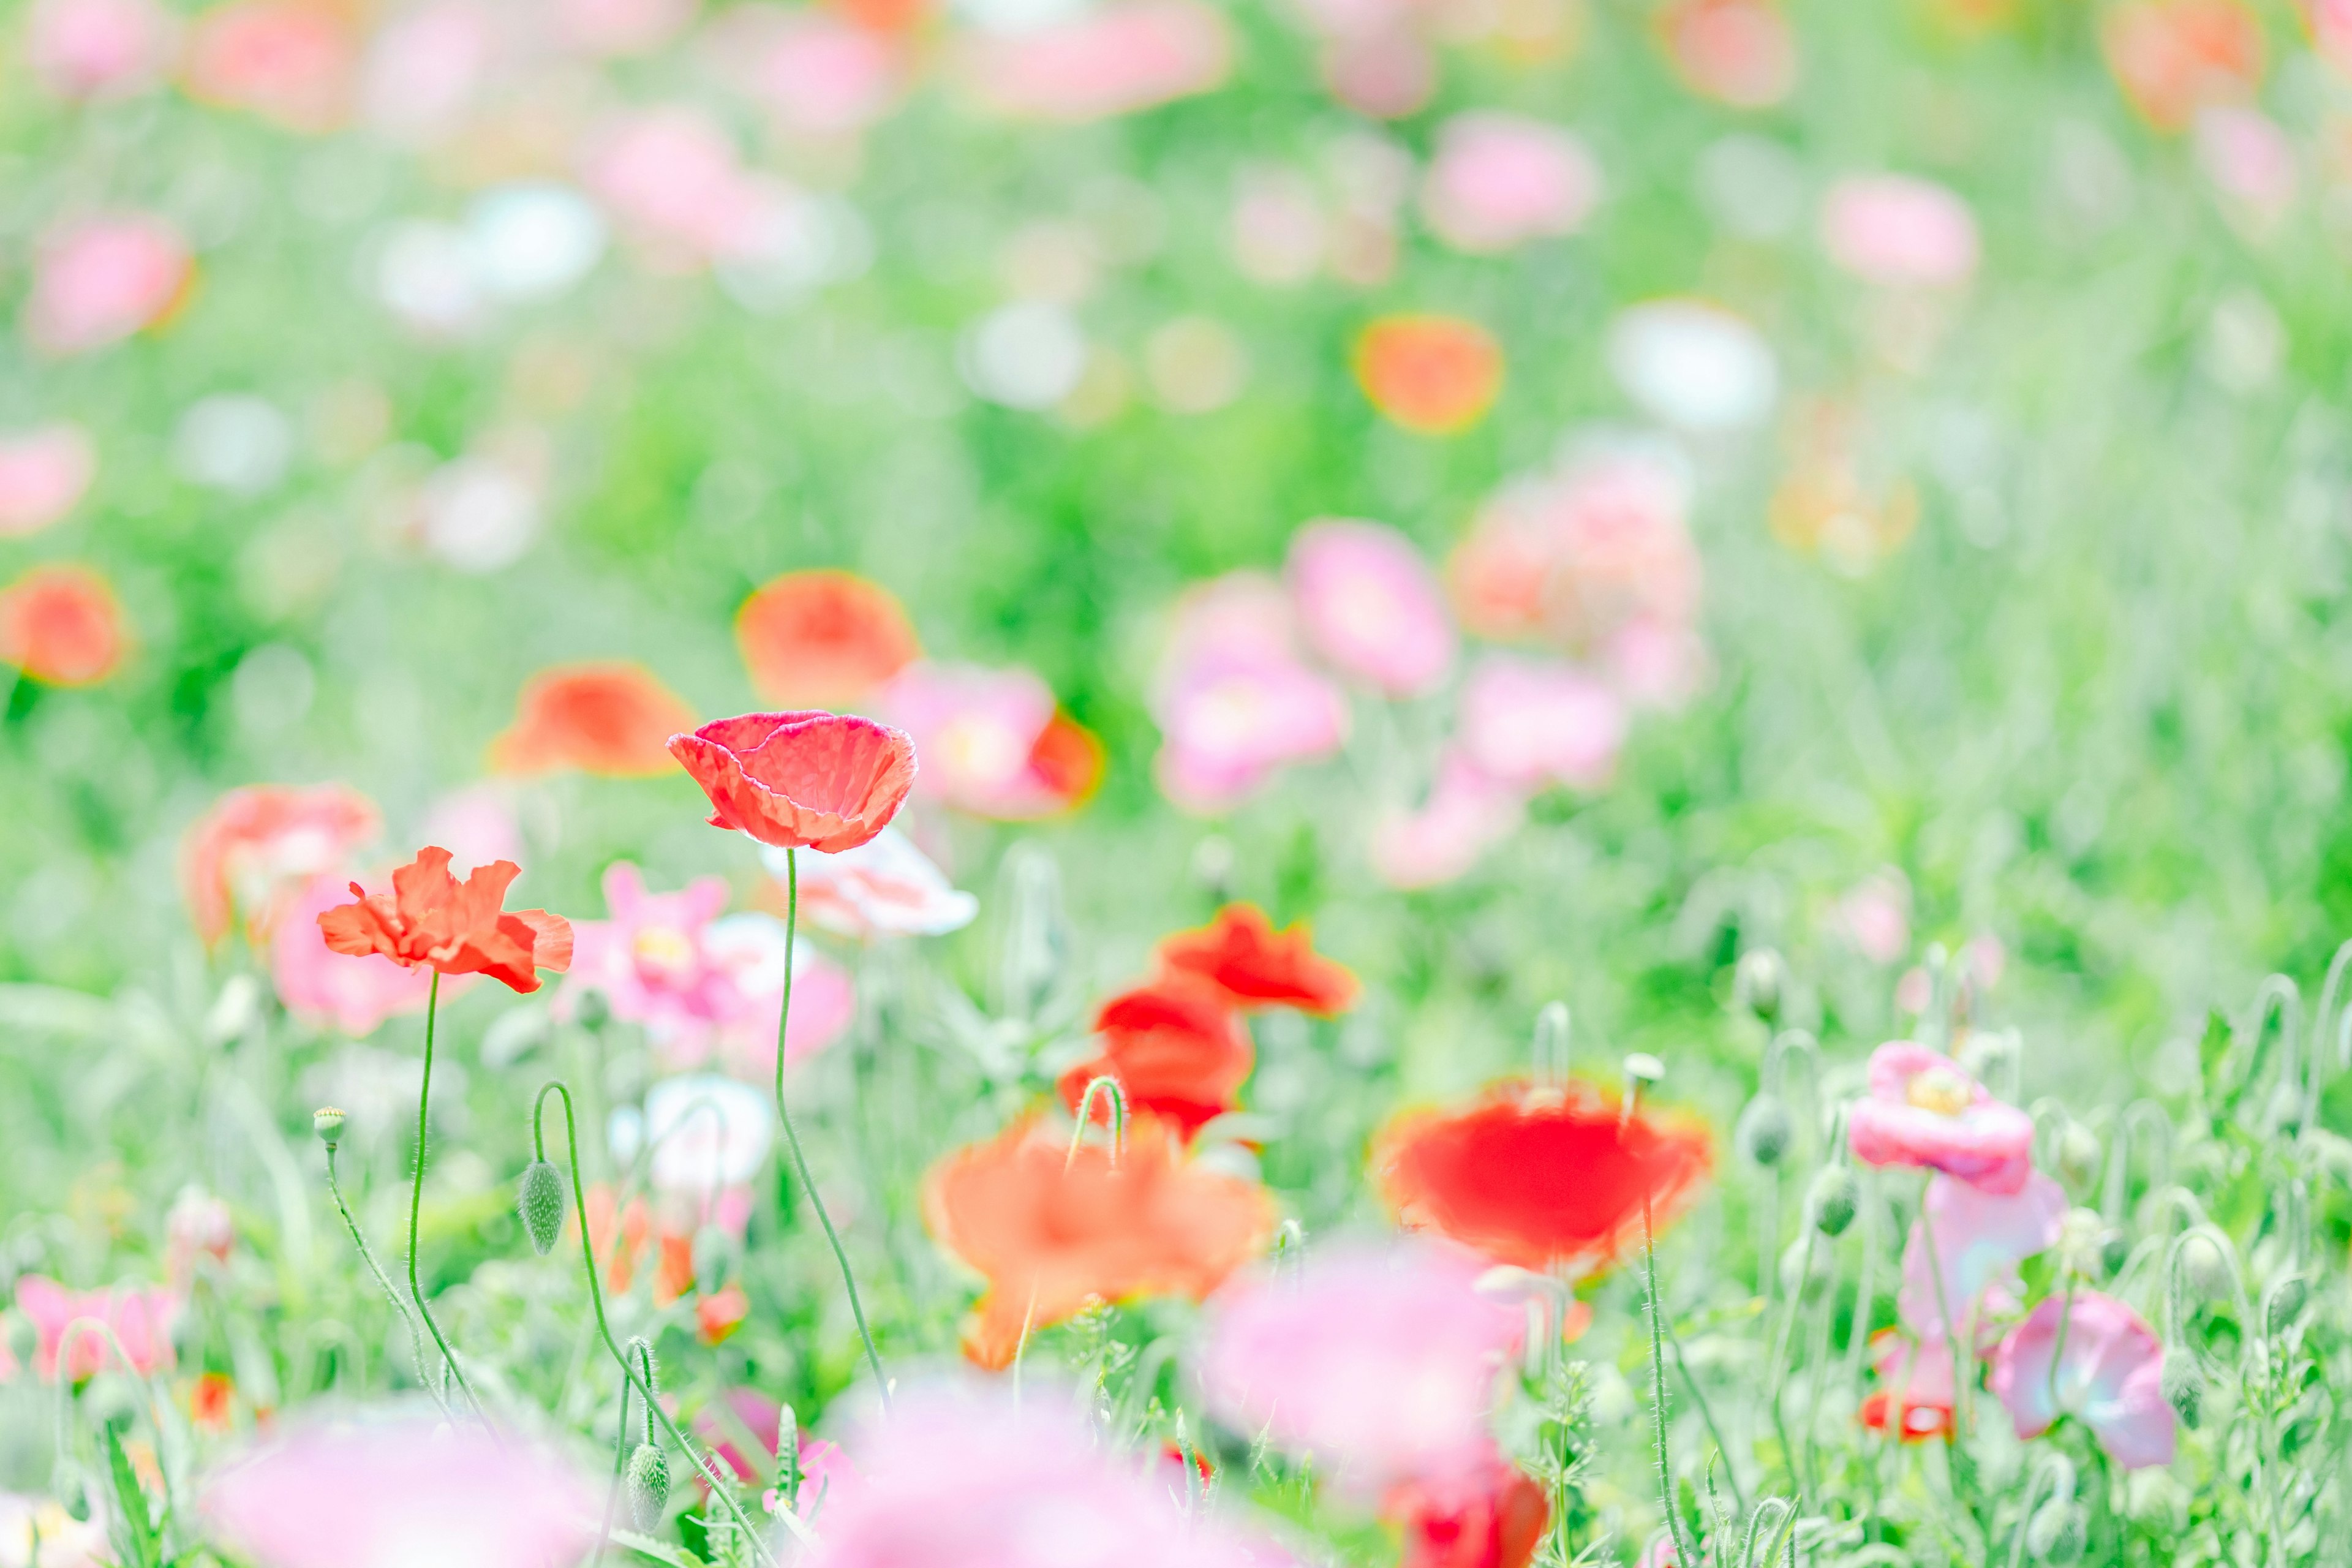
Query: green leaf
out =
(660, 1552)
(142, 1542)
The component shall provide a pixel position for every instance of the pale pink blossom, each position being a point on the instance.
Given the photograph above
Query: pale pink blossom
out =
(2108, 1375)
(671, 177)
(1369, 605)
(1924, 1110)
(814, 73)
(1233, 701)
(43, 473)
(353, 995)
(2250, 161)
(1876, 916)
(1116, 60)
(291, 62)
(1466, 815)
(615, 27)
(1979, 1238)
(398, 1487)
(1381, 1360)
(1277, 226)
(1386, 74)
(98, 280)
(1499, 180)
(1529, 722)
(425, 69)
(475, 825)
(1657, 663)
(97, 48)
(140, 1319)
(1899, 231)
(198, 1225)
(1739, 52)
(976, 731)
(885, 886)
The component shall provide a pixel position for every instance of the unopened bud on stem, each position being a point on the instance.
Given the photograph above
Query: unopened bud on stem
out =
(647, 1483)
(540, 1202)
(328, 1123)
(2182, 1382)
(1836, 1198)
(1765, 1129)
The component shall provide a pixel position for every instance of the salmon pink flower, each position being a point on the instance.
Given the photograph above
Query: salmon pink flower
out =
(1177, 1048)
(1434, 376)
(1979, 1238)
(290, 61)
(1570, 556)
(322, 986)
(2173, 57)
(1924, 1110)
(1913, 1398)
(1119, 60)
(432, 920)
(718, 1315)
(1899, 232)
(2108, 1374)
(1241, 954)
(62, 625)
(142, 1320)
(1739, 52)
(1467, 813)
(43, 473)
(1051, 1231)
(800, 781)
(98, 280)
(1529, 723)
(96, 48)
(1495, 1521)
(823, 637)
(613, 720)
(885, 886)
(1380, 1361)
(1499, 180)
(992, 741)
(258, 840)
(1369, 605)
(1541, 1177)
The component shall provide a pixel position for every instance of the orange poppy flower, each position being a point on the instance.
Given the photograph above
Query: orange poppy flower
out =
(62, 625)
(800, 781)
(1177, 1048)
(457, 928)
(1433, 374)
(610, 718)
(261, 838)
(1540, 1177)
(822, 638)
(622, 1237)
(210, 1402)
(2173, 57)
(1067, 762)
(719, 1314)
(1052, 1233)
(1242, 954)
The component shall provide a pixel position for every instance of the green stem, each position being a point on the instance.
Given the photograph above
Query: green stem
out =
(390, 1293)
(417, 1204)
(793, 1140)
(1706, 1416)
(1658, 1389)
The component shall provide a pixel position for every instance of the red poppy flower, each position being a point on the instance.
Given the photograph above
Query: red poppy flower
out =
(1242, 954)
(1177, 1048)
(721, 1313)
(263, 837)
(1433, 374)
(62, 625)
(823, 637)
(800, 781)
(211, 1402)
(457, 928)
(1536, 1177)
(1051, 1232)
(610, 718)
(1498, 1525)
(1067, 762)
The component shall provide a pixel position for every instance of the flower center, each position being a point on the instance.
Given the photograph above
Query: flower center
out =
(663, 949)
(1940, 1089)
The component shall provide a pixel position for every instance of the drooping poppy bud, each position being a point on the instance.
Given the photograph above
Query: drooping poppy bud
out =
(2182, 1382)
(1835, 1198)
(1766, 1129)
(539, 1200)
(647, 1482)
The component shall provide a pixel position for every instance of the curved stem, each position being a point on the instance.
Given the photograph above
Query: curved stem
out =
(417, 1204)
(390, 1293)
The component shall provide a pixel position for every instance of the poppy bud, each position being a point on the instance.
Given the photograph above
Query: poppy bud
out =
(540, 1204)
(1835, 1198)
(1550, 1050)
(2182, 1383)
(1765, 1129)
(593, 1010)
(66, 1482)
(2115, 1250)
(2078, 1155)
(328, 1123)
(1645, 1069)
(2057, 1532)
(1757, 981)
(2285, 1305)
(648, 1485)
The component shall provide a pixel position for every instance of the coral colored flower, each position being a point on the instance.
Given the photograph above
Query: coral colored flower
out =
(622, 1237)
(1980, 1239)
(1117, 60)
(1527, 724)
(1176, 1046)
(98, 280)
(1051, 1232)
(96, 48)
(433, 920)
(823, 637)
(2108, 1374)
(1924, 1110)
(719, 1314)
(401, 1487)
(141, 1321)
(800, 781)
(885, 886)
(1435, 375)
(257, 841)
(1899, 232)
(1499, 180)
(212, 1402)
(1539, 1177)
(1739, 52)
(1243, 956)
(2173, 57)
(1380, 1361)
(1496, 1522)
(290, 61)
(43, 473)
(1467, 813)
(991, 741)
(1369, 605)
(1914, 1400)
(62, 625)
(613, 719)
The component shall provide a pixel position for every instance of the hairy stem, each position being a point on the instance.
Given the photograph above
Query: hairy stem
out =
(417, 1204)
(391, 1293)
(1658, 1389)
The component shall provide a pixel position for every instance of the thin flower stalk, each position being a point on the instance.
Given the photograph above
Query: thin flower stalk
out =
(417, 1204)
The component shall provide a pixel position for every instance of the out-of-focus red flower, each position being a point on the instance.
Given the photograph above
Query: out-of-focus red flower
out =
(721, 1313)
(1436, 376)
(1496, 1525)
(62, 625)
(2173, 57)
(1914, 1399)
(1052, 1231)
(1539, 1177)
(1242, 954)
(258, 841)
(800, 781)
(433, 920)
(823, 637)
(1067, 762)
(211, 1402)
(1177, 1048)
(288, 61)
(610, 718)
(622, 1237)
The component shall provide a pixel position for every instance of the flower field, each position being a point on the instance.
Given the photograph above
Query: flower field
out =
(1101, 783)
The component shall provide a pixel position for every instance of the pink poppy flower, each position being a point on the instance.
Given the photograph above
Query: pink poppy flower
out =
(396, 1488)
(826, 1474)
(2108, 1375)
(1531, 722)
(813, 72)
(98, 280)
(353, 994)
(1915, 1395)
(2250, 161)
(1276, 226)
(1876, 914)
(992, 741)
(1370, 606)
(97, 48)
(475, 825)
(1386, 74)
(1923, 1109)
(1379, 1359)
(1499, 180)
(1466, 814)
(257, 840)
(672, 178)
(198, 1225)
(290, 61)
(1116, 60)
(1654, 663)
(885, 886)
(1570, 555)
(1980, 1239)
(142, 1320)
(1233, 701)
(611, 28)
(1899, 232)
(43, 473)
(1739, 52)
(425, 69)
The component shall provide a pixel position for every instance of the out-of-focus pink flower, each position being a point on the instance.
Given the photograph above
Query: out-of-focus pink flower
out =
(826, 1474)
(1739, 52)
(401, 1488)
(2173, 57)
(1116, 60)
(672, 178)
(1923, 1109)
(613, 27)
(1876, 917)
(257, 841)
(475, 825)
(98, 280)
(2109, 1375)
(354, 993)
(1656, 663)
(1979, 1238)
(1380, 1361)
(1499, 180)
(1233, 701)
(425, 68)
(708, 1134)
(44, 472)
(290, 61)
(1369, 605)
(1276, 225)
(198, 1225)
(2250, 161)
(1387, 74)
(991, 741)
(1913, 1399)
(1466, 814)
(815, 73)
(885, 886)
(141, 1321)
(96, 48)
(1529, 722)
(1899, 232)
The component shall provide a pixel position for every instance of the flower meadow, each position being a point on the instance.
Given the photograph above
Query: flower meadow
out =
(1090, 784)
